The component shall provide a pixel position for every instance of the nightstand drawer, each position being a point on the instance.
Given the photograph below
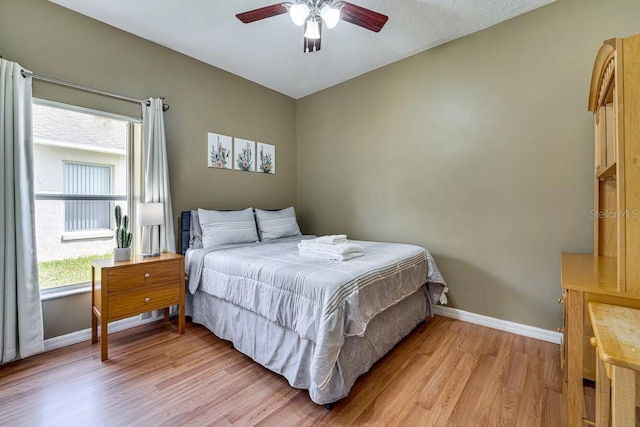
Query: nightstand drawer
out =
(139, 301)
(145, 274)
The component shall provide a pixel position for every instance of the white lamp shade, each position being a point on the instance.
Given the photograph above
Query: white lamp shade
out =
(150, 213)
(330, 15)
(312, 30)
(299, 13)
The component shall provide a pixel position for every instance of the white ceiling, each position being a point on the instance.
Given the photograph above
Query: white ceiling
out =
(269, 52)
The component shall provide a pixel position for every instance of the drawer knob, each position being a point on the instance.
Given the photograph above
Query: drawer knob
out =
(147, 299)
(146, 275)
(560, 329)
(593, 342)
(560, 300)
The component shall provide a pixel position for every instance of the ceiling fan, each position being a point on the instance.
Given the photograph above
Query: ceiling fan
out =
(311, 14)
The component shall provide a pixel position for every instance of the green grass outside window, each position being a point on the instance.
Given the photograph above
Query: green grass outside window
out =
(67, 271)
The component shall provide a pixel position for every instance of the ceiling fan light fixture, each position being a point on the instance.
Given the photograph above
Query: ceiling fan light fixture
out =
(299, 13)
(330, 15)
(313, 15)
(312, 29)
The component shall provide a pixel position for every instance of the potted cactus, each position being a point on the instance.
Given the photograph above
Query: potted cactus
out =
(123, 237)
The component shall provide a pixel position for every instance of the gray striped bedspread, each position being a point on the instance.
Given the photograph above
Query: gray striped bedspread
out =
(322, 300)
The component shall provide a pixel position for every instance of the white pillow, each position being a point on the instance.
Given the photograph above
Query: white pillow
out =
(277, 224)
(225, 227)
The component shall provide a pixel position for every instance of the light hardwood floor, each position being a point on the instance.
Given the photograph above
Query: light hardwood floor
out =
(446, 372)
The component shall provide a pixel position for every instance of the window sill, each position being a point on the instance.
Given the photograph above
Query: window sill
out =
(88, 234)
(64, 291)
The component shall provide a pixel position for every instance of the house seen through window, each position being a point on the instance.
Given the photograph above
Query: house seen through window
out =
(80, 168)
(86, 179)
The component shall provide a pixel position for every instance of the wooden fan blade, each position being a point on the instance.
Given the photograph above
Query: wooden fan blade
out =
(262, 13)
(362, 17)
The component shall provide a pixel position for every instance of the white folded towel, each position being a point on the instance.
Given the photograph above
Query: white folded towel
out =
(329, 240)
(338, 251)
(338, 248)
(329, 255)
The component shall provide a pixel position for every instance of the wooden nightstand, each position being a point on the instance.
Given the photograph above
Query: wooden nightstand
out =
(124, 289)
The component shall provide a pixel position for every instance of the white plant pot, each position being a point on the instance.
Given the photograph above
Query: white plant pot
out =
(121, 254)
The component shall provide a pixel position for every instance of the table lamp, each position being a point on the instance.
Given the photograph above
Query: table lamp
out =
(150, 214)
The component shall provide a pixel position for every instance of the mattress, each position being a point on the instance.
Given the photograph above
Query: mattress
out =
(323, 302)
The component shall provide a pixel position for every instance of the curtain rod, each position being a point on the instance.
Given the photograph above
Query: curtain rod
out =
(26, 74)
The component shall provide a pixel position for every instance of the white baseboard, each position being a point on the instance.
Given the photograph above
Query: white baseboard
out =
(454, 313)
(502, 325)
(85, 334)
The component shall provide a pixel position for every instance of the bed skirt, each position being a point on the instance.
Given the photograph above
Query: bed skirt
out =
(286, 353)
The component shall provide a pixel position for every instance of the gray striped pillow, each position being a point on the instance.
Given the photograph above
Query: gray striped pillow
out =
(277, 224)
(225, 227)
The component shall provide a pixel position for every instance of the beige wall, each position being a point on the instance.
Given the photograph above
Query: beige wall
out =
(480, 150)
(54, 41)
(66, 315)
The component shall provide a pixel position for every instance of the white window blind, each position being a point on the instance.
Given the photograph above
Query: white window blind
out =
(89, 180)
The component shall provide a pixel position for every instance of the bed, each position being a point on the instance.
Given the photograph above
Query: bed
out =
(319, 323)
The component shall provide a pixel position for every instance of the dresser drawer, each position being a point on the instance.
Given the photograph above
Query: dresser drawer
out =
(145, 274)
(138, 301)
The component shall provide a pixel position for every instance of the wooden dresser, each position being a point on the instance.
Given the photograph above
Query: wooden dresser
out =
(124, 289)
(617, 341)
(612, 273)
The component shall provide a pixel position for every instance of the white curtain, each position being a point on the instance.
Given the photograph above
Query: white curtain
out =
(21, 328)
(156, 173)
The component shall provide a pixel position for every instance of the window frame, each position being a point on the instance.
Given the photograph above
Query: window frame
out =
(83, 287)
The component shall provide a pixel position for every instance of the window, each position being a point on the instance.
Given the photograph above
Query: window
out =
(81, 169)
(87, 180)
